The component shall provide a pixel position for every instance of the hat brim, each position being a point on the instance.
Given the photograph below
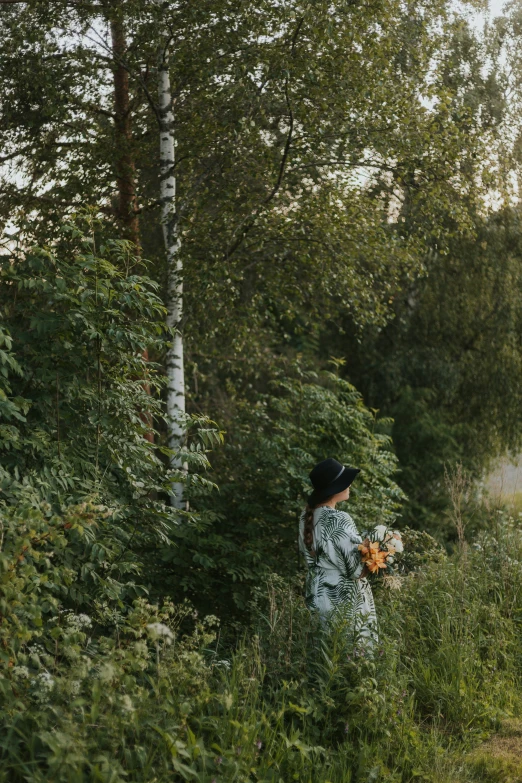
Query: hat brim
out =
(343, 482)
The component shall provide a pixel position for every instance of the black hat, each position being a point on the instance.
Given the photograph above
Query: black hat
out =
(329, 477)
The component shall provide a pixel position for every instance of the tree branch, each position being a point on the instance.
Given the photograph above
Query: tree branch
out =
(248, 222)
(136, 75)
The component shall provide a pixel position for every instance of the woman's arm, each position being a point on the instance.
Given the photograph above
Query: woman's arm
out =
(346, 542)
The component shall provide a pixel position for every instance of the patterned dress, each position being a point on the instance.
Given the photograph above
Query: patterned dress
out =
(333, 587)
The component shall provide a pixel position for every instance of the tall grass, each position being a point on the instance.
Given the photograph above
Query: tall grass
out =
(288, 702)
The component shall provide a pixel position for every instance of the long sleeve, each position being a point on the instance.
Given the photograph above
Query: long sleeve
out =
(340, 529)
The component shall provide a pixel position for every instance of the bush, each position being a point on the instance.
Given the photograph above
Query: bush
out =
(272, 443)
(100, 688)
(79, 400)
(82, 394)
(103, 678)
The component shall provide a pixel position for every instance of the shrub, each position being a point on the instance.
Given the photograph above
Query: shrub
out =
(79, 323)
(78, 397)
(113, 688)
(272, 444)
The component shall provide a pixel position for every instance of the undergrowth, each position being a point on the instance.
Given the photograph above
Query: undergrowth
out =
(115, 691)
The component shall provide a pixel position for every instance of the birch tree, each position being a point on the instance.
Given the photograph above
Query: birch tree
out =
(169, 223)
(306, 126)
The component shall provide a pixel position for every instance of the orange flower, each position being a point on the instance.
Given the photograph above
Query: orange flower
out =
(369, 547)
(373, 556)
(375, 565)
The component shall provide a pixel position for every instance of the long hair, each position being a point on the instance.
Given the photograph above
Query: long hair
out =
(308, 532)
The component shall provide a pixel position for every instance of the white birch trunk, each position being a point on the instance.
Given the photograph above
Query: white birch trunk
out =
(175, 370)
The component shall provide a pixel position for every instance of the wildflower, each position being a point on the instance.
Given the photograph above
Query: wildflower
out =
(374, 558)
(74, 687)
(259, 744)
(393, 582)
(45, 681)
(219, 760)
(224, 663)
(20, 672)
(398, 545)
(160, 631)
(126, 703)
(43, 684)
(79, 621)
(36, 649)
(368, 547)
(107, 672)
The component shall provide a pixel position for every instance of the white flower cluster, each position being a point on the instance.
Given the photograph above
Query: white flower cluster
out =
(78, 622)
(75, 687)
(45, 681)
(390, 538)
(20, 672)
(36, 649)
(160, 631)
(43, 684)
(39, 656)
(126, 703)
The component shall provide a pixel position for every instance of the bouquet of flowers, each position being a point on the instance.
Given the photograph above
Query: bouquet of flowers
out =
(379, 549)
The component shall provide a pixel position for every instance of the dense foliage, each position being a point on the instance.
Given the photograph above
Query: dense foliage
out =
(347, 233)
(334, 164)
(121, 693)
(262, 473)
(306, 135)
(447, 367)
(79, 325)
(78, 397)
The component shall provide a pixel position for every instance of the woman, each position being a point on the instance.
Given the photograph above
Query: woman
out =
(336, 586)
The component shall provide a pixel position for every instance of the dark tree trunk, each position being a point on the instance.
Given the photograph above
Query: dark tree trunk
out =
(125, 167)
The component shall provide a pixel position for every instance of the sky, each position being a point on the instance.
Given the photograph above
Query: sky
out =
(495, 7)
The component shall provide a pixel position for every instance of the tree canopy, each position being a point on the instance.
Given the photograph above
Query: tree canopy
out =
(343, 176)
